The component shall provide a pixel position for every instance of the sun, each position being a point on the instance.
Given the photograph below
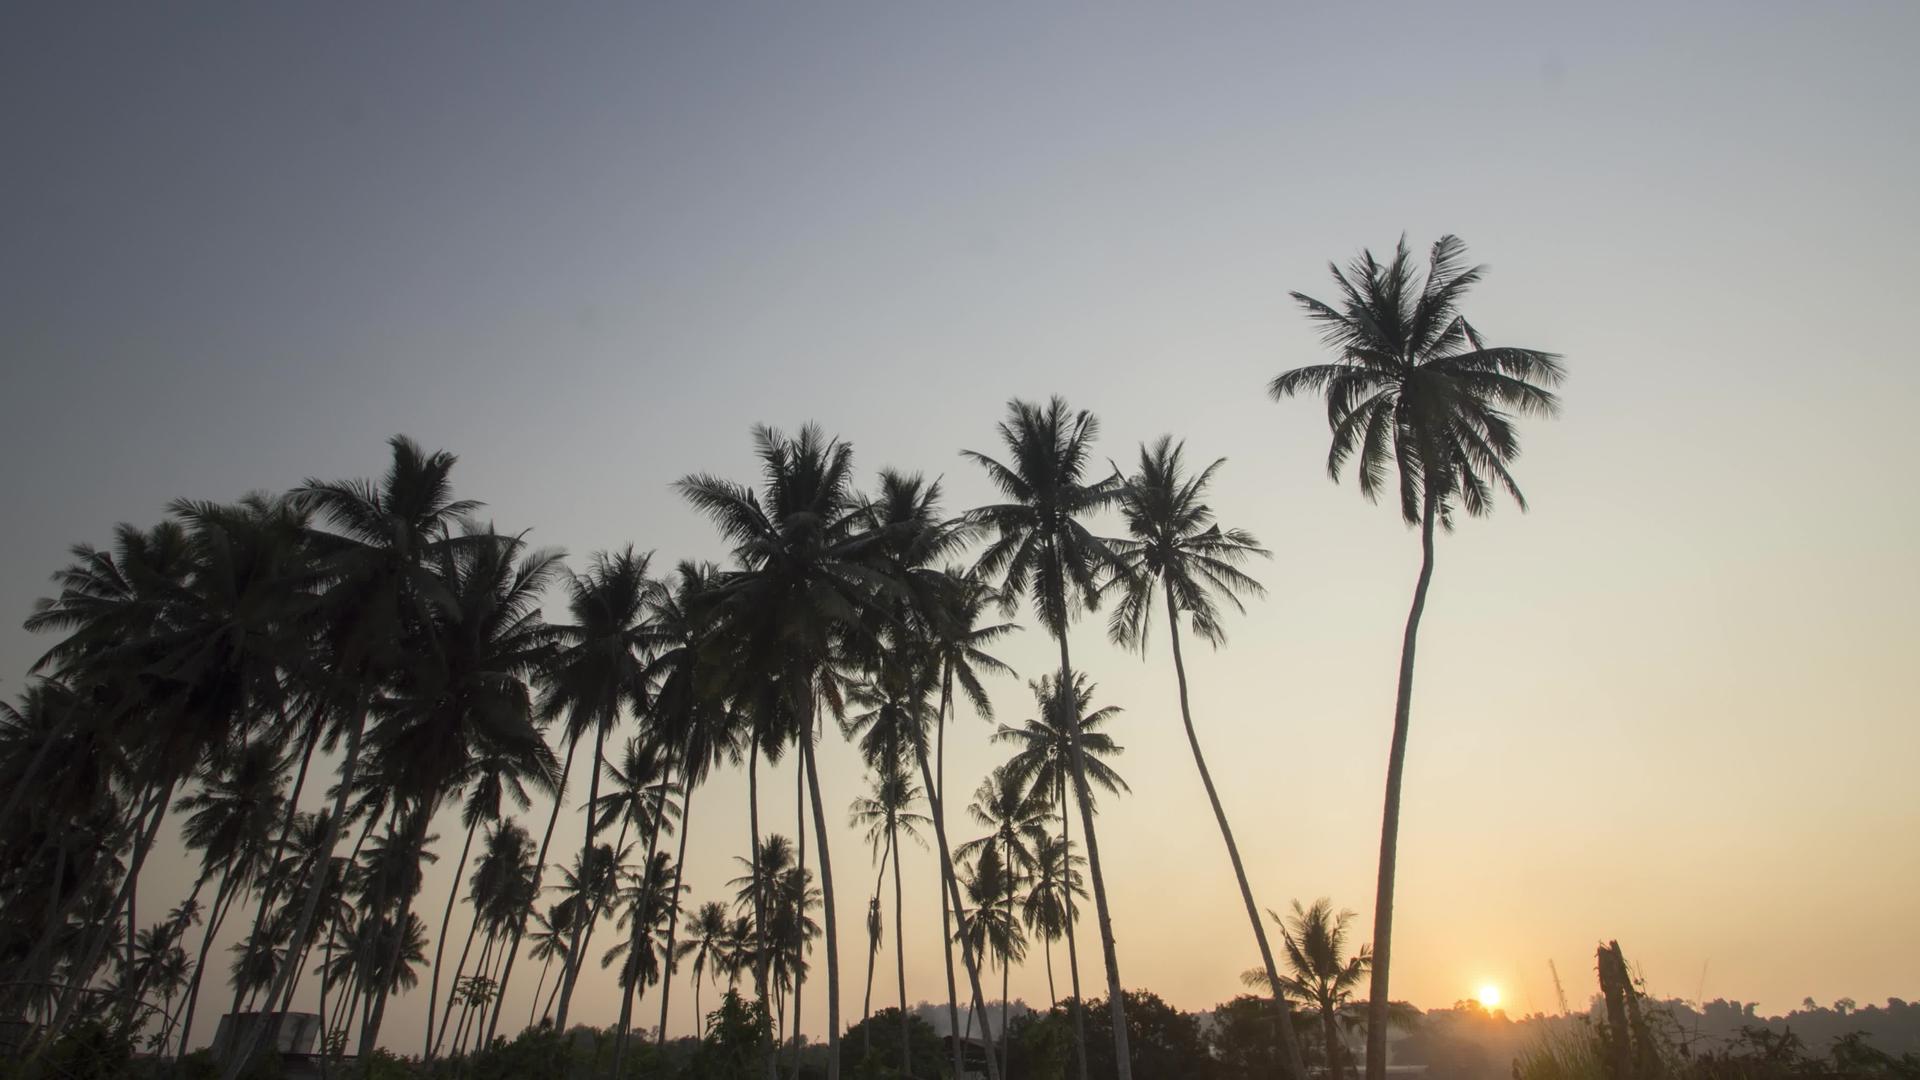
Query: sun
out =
(1489, 996)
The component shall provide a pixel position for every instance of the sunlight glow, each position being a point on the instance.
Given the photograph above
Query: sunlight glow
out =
(1489, 995)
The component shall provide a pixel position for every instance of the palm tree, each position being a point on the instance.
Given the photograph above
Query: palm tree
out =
(501, 883)
(888, 816)
(1043, 755)
(230, 821)
(601, 671)
(803, 588)
(991, 929)
(1050, 903)
(1320, 971)
(461, 711)
(648, 899)
(1175, 548)
(707, 946)
(1040, 546)
(1415, 388)
(374, 566)
(551, 932)
(691, 716)
(1009, 810)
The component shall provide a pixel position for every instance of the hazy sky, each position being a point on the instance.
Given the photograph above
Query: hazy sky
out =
(586, 246)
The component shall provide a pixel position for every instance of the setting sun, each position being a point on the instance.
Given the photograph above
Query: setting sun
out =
(1489, 995)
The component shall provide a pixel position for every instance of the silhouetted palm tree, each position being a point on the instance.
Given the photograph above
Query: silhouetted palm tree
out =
(803, 587)
(646, 902)
(1175, 548)
(600, 672)
(1414, 388)
(1041, 547)
(707, 944)
(889, 816)
(1320, 972)
(1053, 887)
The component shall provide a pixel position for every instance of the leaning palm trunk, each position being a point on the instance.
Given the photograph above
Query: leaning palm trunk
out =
(70, 1000)
(283, 979)
(458, 969)
(370, 1031)
(826, 897)
(1073, 951)
(539, 874)
(1290, 1058)
(440, 947)
(758, 870)
(900, 963)
(873, 949)
(673, 921)
(1390, 817)
(946, 911)
(1116, 1001)
(640, 932)
(576, 953)
(951, 883)
(223, 898)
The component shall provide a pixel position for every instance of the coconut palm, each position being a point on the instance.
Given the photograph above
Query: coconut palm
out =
(1320, 972)
(990, 927)
(1175, 548)
(1414, 388)
(888, 816)
(1041, 547)
(646, 901)
(1043, 755)
(708, 932)
(373, 563)
(1010, 811)
(231, 821)
(803, 588)
(1054, 885)
(551, 932)
(599, 674)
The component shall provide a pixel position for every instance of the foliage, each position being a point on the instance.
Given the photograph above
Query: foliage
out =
(732, 1047)
(1166, 1044)
(883, 1061)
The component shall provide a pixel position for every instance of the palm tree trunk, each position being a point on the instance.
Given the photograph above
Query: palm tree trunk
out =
(440, 946)
(573, 958)
(673, 915)
(143, 844)
(467, 1017)
(1006, 978)
(534, 1008)
(873, 951)
(1330, 1031)
(214, 915)
(458, 968)
(1053, 999)
(1390, 817)
(1073, 950)
(759, 893)
(539, 874)
(946, 912)
(283, 980)
(952, 888)
(900, 960)
(641, 932)
(1292, 1064)
(800, 860)
(1116, 998)
(826, 894)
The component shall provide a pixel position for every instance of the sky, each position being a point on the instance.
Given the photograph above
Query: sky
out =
(587, 246)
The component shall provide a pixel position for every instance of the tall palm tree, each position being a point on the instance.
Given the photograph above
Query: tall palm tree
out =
(1055, 886)
(600, 673)
(1043, 755)
(991, 929)
(802, 589)
(551, 932)
(374, 565)
(1320, 972)
(889, 816)
(1040, 546)
(461, 711)
(1413, 387)
(502, 881)
(1175, 548)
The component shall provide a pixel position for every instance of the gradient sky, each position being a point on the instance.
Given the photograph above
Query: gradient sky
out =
(586, 246)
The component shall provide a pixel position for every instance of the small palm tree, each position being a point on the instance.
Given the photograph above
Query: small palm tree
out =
(1414, 388)
(1175, 548)
(990, 927)
(1319, 970)
(1041, 546)
(1054, 885)
(1012, 812)
(708, 935)
(888, 816)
